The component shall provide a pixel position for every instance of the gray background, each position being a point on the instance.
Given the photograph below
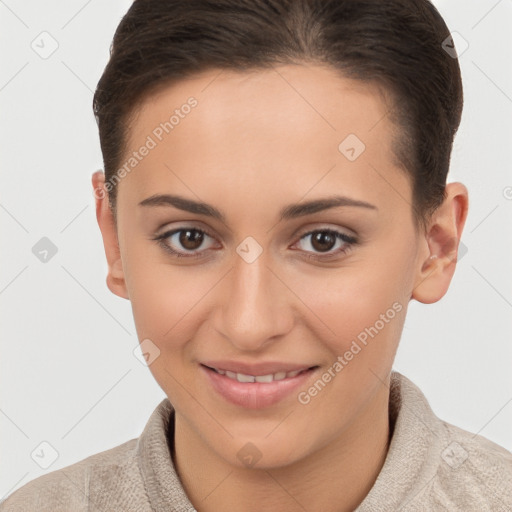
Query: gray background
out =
(68, 373)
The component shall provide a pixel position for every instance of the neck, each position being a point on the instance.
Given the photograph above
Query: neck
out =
(334, 479)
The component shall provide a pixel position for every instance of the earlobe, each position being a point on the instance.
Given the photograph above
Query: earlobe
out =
(115, 280)
(116, 283)
(435, 271)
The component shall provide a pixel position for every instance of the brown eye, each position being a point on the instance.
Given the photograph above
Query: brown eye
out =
(323, 241)
(191, 239)
(185, 242)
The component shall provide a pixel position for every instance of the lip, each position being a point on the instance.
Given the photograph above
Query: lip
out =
(256, 395)
(256, 369)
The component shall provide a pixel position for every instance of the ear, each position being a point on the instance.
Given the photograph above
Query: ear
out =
(437, 264)
(115, 278)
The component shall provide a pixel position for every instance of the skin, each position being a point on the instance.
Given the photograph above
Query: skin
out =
(255, 143)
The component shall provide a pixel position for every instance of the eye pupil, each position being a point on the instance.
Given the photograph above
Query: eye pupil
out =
(190, 237)
(323, 237)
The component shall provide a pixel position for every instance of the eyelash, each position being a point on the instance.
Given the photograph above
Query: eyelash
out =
(349, 243)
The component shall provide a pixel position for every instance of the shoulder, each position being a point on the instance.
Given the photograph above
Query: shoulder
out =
(440, 465)
(68, 488)
(473, 472)
(115, 479)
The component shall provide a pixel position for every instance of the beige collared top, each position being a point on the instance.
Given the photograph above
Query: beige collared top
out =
(430, 466)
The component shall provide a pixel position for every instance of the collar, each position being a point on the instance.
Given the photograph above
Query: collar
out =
(408, 468)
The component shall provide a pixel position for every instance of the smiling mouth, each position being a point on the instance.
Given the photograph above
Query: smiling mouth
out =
(271, 377)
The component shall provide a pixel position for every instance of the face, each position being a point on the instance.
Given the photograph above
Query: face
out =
(257, 282)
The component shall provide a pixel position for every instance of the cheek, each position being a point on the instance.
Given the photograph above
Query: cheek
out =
(160, 293)
(163, 302)
(363, 304)
(161, 299)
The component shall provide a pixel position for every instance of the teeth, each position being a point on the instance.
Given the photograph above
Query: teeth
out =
(242, 377)
(264, 378)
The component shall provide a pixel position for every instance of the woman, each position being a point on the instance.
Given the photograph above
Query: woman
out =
(274, 196)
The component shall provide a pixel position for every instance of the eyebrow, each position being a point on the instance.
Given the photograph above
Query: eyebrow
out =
(291, 211)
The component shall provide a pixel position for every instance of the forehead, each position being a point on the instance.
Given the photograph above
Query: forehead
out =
(264, 132)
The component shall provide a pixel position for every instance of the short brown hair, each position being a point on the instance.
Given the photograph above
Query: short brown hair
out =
(396, 44)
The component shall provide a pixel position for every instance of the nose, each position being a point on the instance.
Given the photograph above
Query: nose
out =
(255, 305)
